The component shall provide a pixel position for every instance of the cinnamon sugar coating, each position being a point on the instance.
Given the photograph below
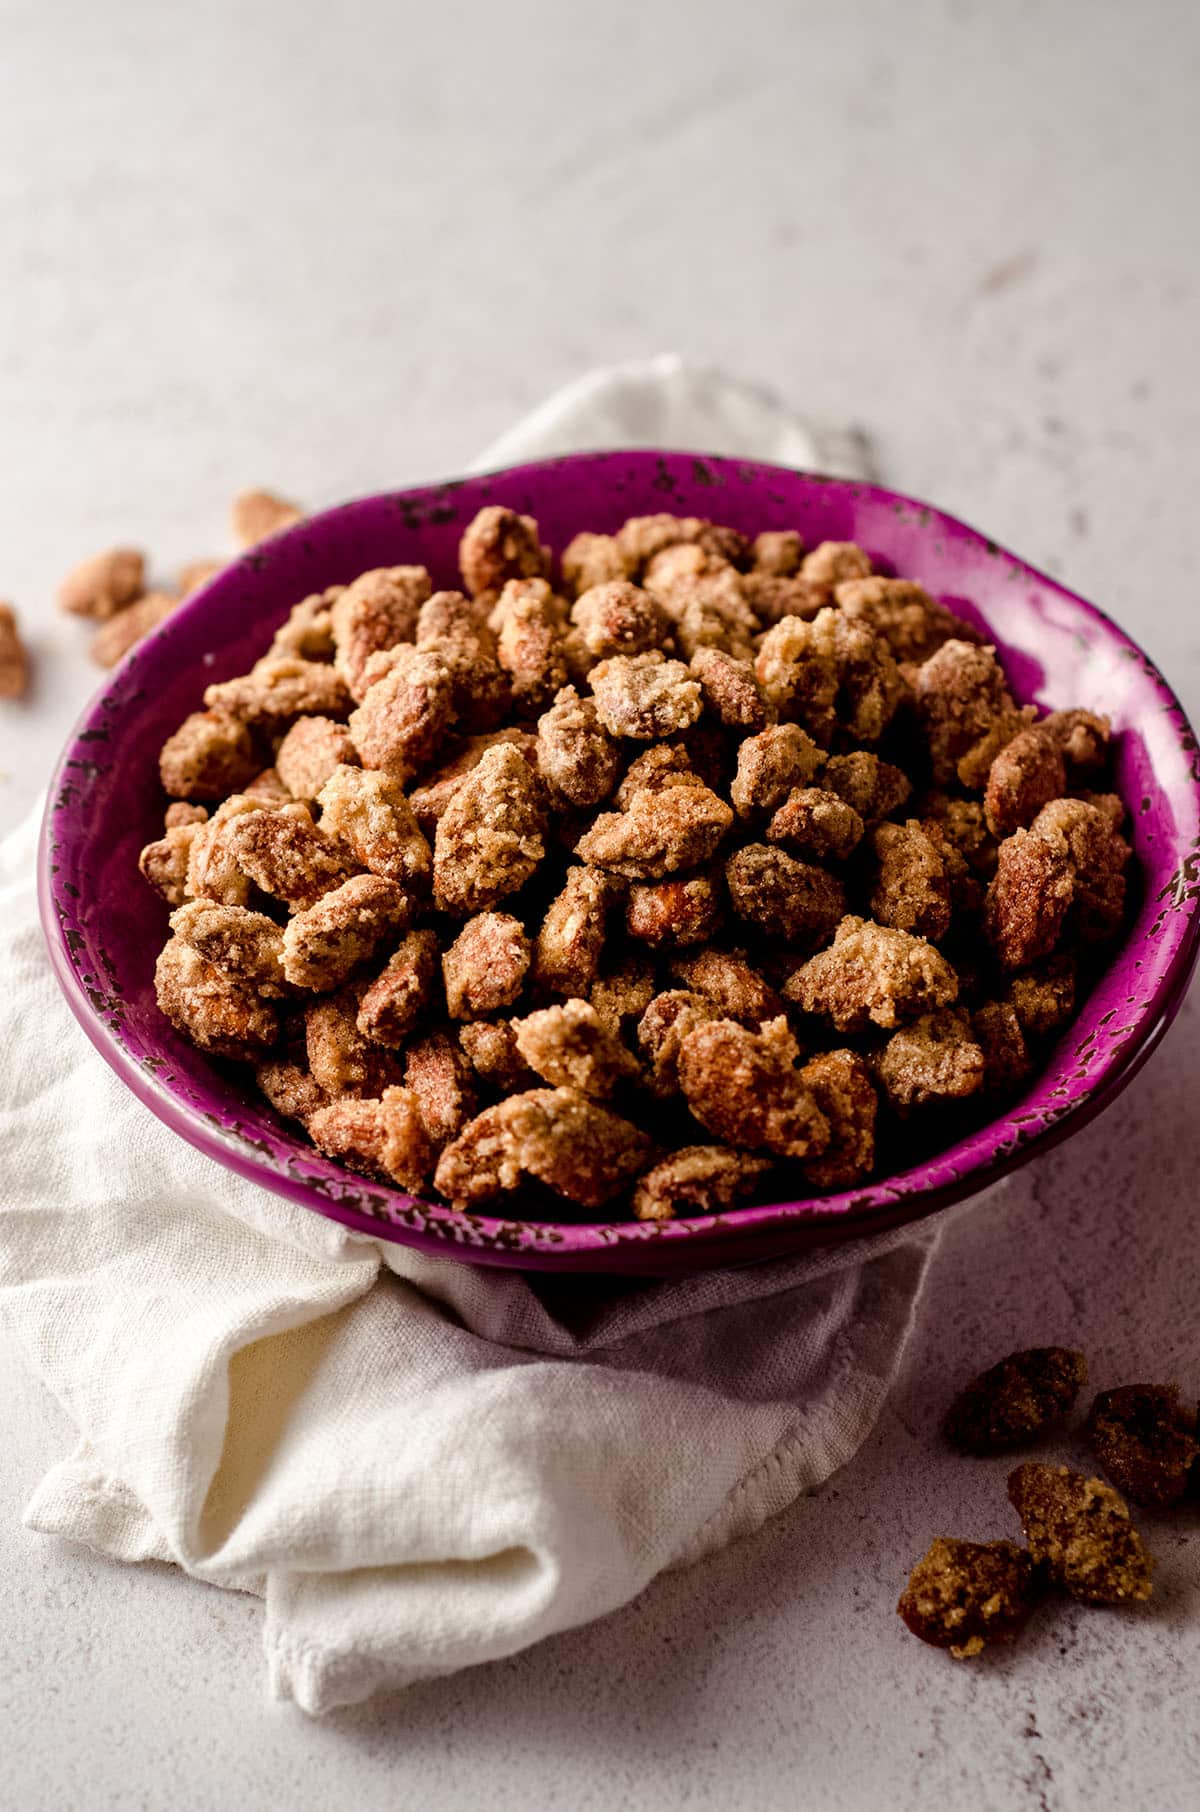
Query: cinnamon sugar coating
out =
(660, 834)
(398, 998)
(326, 941)
(309, 753)
(376, 612)
(219, 1012)
(278, 688)
(1010, 1403)
(209, 756)
(1145, 1439)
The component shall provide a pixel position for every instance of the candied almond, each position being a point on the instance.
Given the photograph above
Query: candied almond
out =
(1027, 774)
(405, 715)
(674, 914)
(556, 1136)
(784, 897)
(813, 822)
(164, 863)
(1079, 1533)
(14, 659)
(575, 754)
(1028, 898)
(570, 1045)
(217, 1011)
(589, 560)
(368, 815)
(290, 1089)
(745, 1087)
(377, 611)
(443, 1082)
(240, 943)
(306, 633)
(644, 696)
(103, 584)
(438, 786)
(570, 943)
(395, 1001)
(325, 941)
(491, 836)
(727, 979)
(664, 1024)
(912, 887)
(210, 755)
(309, 753)
(697, 1179)
(279, 688)
(490, 1047)
(934, 1059)
(619, 618)
(342, 1061)
(1082, 736)
(1099, 855)
(913, 624)
(770, 765)
(485, 967)
(498, 545)
(872, 974)
(731, 691)
(1010, 1403)
(778, 551)
(833, 562)
(659, 835)
(253, 515)
(829, 673)
(841, 1086)
(285, 854)
(385, 1138)
(961, 1595)
(1145, 1439)
(960, 692)
(113, 640)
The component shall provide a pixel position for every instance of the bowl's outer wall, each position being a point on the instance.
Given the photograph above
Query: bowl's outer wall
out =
(104, 927)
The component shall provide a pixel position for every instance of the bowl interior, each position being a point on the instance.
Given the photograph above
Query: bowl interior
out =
(104, 927)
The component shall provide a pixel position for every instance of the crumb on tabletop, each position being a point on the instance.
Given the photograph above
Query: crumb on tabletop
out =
(1080, 1535)
(963, 1595)
(384, 1138)
(342, 929)
(697, 1180)
(255, 514)
(123, 631)
(1145, 1440)
(872, 975)
(497, 545)
(14, 658)
(745, 1088)
(104, 583)
(1010, 1403)
(485, 967)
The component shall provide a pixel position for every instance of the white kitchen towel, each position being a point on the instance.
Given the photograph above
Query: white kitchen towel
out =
(417, 1464)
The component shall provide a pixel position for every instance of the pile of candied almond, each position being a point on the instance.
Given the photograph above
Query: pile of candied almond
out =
(711, 870)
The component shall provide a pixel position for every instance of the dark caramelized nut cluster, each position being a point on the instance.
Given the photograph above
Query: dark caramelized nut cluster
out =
(694, 867)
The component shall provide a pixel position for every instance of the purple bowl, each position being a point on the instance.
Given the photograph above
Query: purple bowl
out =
(104, 927)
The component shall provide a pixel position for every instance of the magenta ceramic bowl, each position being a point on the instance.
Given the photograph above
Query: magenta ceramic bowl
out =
(104, 926)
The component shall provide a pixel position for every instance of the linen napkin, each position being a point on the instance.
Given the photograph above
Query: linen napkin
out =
(417, 1464)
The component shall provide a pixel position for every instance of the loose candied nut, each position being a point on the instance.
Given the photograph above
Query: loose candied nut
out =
(1079, 1533)
(1010, 1403)
(218, 1012)
(310, 752)
(490, 1047)
(341, 1060)
(280, 688)
(662, 1028)
(267, 789)
(291, 1091)
(1028, 899)
(165, 863)
(778, 551)
(105, 583)
(934, 1059)
(127, 628)
(397, 998)
(697, 1179)
(1026, 775)
(285, 854)
(744, 1087)
(872, 975)
(674, 915)
(491, 836)
(662, 765)
(659, 835)
(576, 755)
(770, 764)
(960, 691)
(619, 618)
(14, 661)
(813, 822)
(833, 562)
(376, 612)
(253, 515)
(571, 941)
(589, 560)
(499, 545)
(829, 673)
(644, 696)
(306, 633)
(245, 945)
(913, 624)
(841, 1085)
(622, 994)
(730, 689)
(1006, 1060)
(1044, 998)
(964, 1594)
(912, 887)
(874, 788)
(441, 1079)
(1145, 1439)
(557, 1136)
(197, 573)
(1082, 737)
(785, 898)
(430, 799)
(384, 1138)
(367, 814)
(323, 943)
(485, 967)
(405, 715)
(726, 979)
(571, 1046)
(181, 813)
(213, 870)
(530, 644)
(1099, 855)
(210, 754)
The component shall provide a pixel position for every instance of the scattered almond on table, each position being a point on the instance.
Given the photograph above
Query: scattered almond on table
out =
(14, 661)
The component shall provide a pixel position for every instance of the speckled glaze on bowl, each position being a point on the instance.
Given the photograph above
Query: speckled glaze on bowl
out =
(104, 927)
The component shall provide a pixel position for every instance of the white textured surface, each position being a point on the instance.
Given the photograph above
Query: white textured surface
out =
(337, 248)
